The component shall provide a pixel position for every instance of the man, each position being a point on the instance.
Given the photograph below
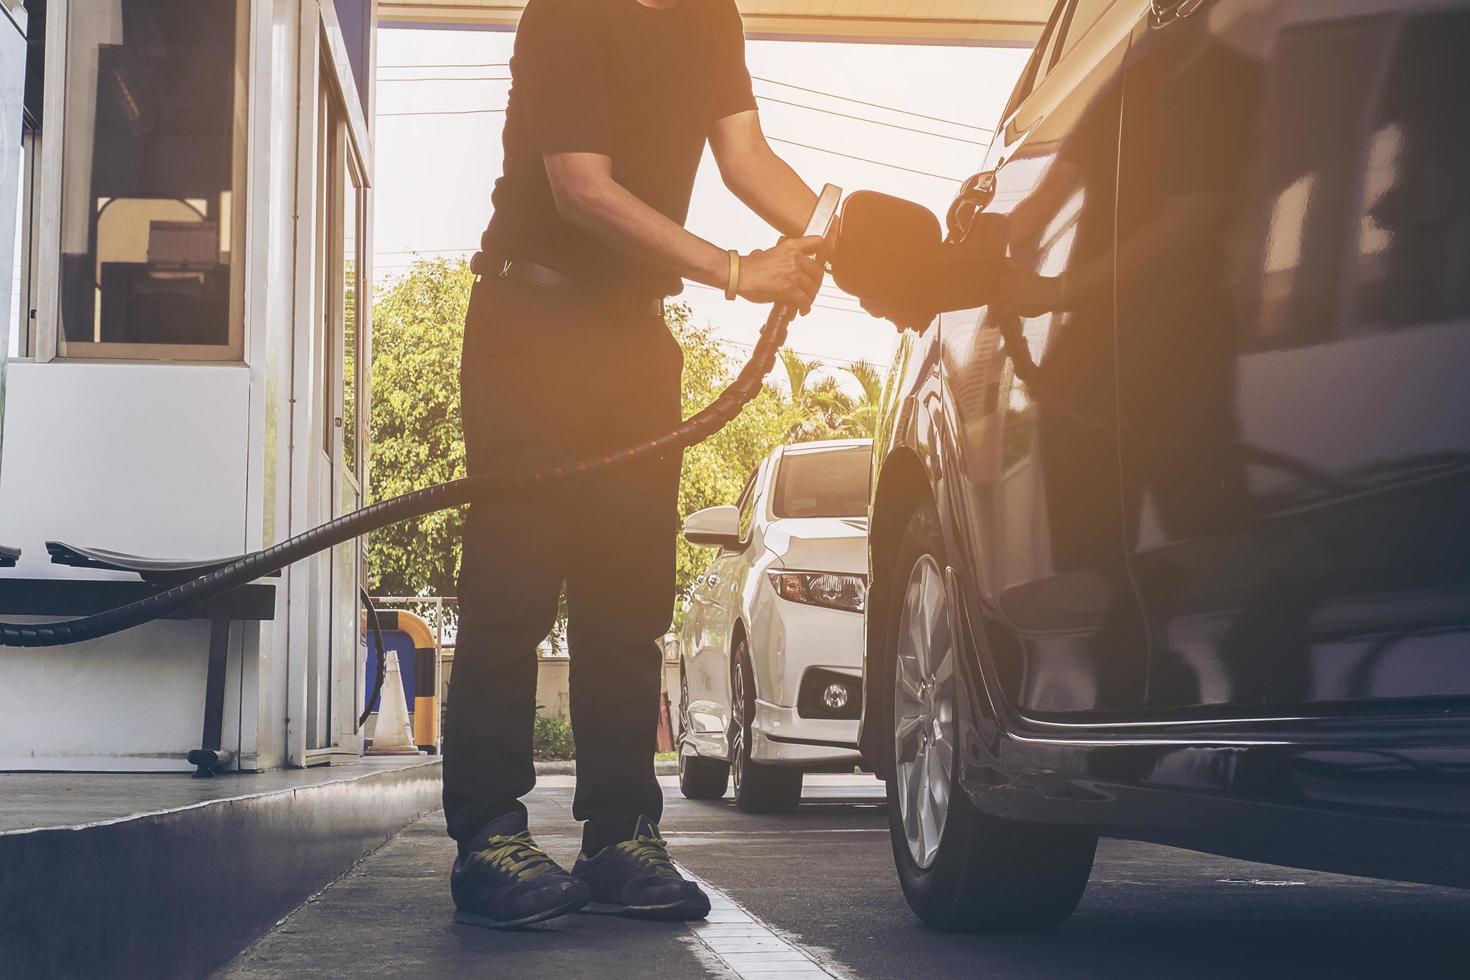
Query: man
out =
(567, 353)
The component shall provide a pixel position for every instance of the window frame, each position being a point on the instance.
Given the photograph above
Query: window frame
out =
(1029, 80)
(1068, 41)
(348, 152)
(746, 503)
(324, 68)
(48, 336)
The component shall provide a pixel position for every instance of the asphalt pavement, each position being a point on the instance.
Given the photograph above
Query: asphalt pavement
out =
(814, 893)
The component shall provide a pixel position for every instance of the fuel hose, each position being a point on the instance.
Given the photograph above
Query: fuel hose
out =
(456, 493)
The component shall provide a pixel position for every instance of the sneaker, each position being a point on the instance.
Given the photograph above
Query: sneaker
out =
(502, 879)
(636, 878)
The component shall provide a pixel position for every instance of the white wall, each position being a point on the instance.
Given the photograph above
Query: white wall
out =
(140, 458)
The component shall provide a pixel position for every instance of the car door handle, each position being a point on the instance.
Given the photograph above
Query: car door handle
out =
(975, 196)
(712, 581)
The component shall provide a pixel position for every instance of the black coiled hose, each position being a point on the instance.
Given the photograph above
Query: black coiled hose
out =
(695, 429)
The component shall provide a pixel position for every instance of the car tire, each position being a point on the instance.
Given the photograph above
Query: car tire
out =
(699, 778)
(961, 870)
(759, 788)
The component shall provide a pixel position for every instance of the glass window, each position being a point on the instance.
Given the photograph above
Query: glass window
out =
(152, 205)
(833, 483)
(1413, 204)
(24, 156)
(20, 160)
(351, 330)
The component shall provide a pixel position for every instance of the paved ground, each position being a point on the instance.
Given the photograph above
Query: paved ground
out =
(822, 879)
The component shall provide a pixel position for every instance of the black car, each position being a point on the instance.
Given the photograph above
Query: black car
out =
(1172, 542)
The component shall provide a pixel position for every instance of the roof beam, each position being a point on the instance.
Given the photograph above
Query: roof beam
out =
(1006, 23)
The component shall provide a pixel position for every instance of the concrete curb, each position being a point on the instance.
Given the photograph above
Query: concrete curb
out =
(179, 891)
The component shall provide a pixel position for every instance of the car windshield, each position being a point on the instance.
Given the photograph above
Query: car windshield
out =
(824, 484)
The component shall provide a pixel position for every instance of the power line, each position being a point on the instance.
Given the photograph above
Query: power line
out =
(763, 98)
(718, 289)
(875, 122)
(426, 251)
(482, 64)
(872, 105)
(742, 345)
(773, 139)
(815, 306)
(441, 112)
(849, 156)
(450, 78)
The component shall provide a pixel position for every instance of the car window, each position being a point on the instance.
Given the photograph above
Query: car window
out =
(1040, 61)
(1079, 20)
(824, 484)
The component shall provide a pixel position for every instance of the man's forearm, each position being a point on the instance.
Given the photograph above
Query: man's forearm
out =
(588, 197)
(768, 186)
(612, 213)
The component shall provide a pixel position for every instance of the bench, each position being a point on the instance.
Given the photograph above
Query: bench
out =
(255, 602)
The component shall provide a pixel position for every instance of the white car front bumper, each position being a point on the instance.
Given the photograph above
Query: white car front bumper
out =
(782, 737)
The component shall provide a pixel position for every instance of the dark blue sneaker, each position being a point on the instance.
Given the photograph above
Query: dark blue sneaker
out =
(503, 879)
(637, 879)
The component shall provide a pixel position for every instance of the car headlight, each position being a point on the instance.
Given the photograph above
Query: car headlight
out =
(822, 589)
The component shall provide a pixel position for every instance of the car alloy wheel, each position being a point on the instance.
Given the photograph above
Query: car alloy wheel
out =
(738, 744)
(924, 711)
(759, 787)
(960, 868)
(699, 778)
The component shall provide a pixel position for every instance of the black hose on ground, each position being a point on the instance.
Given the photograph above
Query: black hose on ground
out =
(457, 493)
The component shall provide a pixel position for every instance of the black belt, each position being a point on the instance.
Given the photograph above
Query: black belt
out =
(542, 277)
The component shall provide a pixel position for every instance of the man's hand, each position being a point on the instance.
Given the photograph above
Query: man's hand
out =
(786, 274)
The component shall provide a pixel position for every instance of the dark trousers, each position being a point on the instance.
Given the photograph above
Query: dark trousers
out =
(546, 377)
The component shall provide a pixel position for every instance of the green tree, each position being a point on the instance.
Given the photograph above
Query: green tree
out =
(715, 470)
(418, 325)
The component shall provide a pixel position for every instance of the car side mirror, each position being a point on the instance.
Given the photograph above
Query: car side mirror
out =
(882, 242)
(714, 527)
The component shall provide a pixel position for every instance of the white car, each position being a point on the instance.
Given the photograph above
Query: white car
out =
(771, 647)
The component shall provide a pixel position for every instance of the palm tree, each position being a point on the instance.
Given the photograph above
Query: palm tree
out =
(809, 411)
(861, 418)
(820, 409)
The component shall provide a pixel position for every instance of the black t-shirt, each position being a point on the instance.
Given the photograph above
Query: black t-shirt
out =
(639, 84)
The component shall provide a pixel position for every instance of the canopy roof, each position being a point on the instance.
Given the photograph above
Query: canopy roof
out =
(980, 22)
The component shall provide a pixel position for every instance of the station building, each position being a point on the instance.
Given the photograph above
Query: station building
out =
(186, 364)
(190, 184)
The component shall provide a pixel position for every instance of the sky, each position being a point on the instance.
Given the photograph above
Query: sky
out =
(434, 172)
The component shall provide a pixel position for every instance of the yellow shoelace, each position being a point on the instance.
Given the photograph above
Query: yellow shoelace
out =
(651, 851)
(516, 855)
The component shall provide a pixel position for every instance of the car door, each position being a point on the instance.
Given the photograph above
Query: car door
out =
(1030, 400)
(1294, 235)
